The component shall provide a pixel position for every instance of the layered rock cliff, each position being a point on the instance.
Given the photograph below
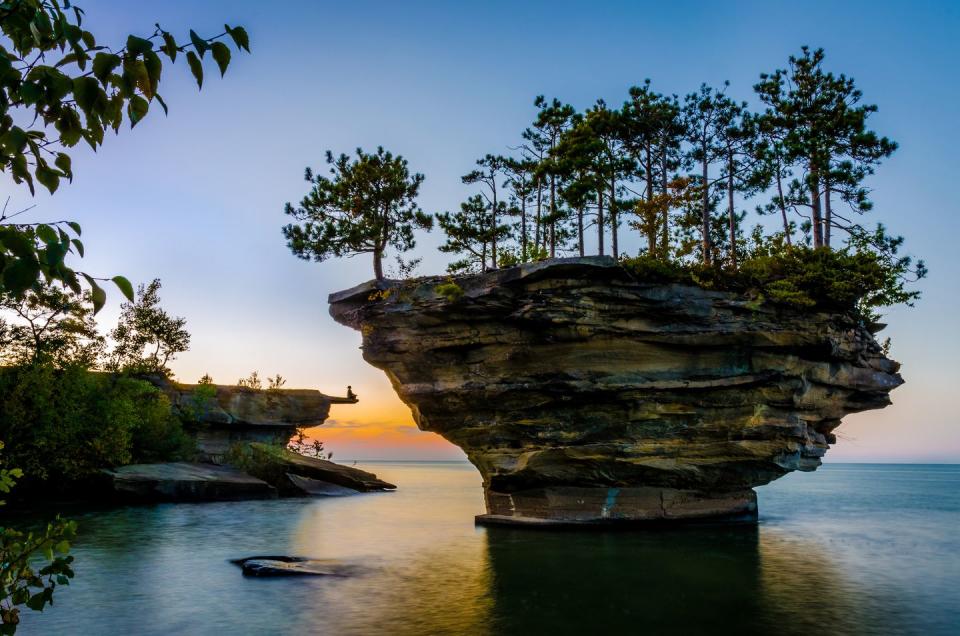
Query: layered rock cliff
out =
(228, 414)
(584, 395)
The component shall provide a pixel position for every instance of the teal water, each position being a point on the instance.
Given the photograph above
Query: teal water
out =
(849, 549)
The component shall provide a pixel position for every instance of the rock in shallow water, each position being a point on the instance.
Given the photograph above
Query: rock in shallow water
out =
(276, 465)
(292, 566)
(184, 481)
(583, 395)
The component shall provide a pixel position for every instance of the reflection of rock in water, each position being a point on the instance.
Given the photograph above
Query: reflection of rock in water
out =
(740, 580)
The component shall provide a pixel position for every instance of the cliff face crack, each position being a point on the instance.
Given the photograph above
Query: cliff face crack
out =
(565, 379)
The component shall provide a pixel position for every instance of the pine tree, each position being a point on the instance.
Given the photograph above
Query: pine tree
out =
(470, 232)
(491, 168)
(819, 121)
(553, 118)
(369, 204)
(703, 118)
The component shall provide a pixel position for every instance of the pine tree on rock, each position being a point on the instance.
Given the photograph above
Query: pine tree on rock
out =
(367, 205)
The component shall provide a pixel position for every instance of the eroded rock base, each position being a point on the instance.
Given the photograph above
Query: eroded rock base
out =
(570, 505)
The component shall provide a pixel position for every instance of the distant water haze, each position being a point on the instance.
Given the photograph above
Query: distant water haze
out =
(196, 198)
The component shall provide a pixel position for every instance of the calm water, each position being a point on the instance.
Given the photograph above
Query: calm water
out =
(850, 549)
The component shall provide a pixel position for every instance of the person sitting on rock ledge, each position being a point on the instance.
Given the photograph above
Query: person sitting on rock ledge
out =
(350, 394)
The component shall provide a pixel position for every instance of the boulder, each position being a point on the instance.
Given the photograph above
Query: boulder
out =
(182, 481)
(585, 395)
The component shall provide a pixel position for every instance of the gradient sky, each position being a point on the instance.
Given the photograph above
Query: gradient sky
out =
(196, 198)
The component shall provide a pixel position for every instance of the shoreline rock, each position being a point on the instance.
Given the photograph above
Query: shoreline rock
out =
(185, 482)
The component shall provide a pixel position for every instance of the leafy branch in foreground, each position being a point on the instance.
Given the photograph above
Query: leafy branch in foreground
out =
(56, 76)
(20, 583)
(53, 72)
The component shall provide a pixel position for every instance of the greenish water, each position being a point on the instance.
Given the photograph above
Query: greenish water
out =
(850, 549)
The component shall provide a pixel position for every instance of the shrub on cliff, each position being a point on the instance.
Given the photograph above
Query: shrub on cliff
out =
(846, 280)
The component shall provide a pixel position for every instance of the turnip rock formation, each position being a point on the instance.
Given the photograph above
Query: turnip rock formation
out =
(586, 396)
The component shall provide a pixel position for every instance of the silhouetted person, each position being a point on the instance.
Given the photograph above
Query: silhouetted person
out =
(350, 394)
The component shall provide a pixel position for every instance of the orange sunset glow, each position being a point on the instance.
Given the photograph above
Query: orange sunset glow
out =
(380, 426)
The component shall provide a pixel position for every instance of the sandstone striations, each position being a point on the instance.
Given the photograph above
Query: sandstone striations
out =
(229, 414)
(583, 395)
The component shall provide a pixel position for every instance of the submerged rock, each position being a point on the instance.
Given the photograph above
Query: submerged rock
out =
(182, 481)
(585, 396)
(291, 566)
(317, 488)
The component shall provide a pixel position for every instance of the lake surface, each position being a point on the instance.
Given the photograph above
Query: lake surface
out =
(849, 549)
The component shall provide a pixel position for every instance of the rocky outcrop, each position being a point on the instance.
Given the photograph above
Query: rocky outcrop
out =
(182, 481)
(296, 475)
(584, 395)
(229, 414)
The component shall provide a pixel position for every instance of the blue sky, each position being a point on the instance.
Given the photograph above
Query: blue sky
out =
(196, 198)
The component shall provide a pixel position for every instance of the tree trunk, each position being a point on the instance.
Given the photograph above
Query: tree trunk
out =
(652, 228)
(378, 263)
(732, 213)
(580, 229)
(782, 204)
(523, 229)
(665, 227)
(613, 217)
(814, 185)
(600, 221)
(493, 236)
(828, 212)
(537, 227)
(553, 216)
(705, 212)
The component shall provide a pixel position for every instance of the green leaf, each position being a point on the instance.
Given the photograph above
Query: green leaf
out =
(19, 276)
(99, 296)
(137, 75)
(104, 64)
(169, 46)
(163, 104)
(154, 68)
(138, 46)
(221, 54)
(124, 286)
(63, 162)
(18, 243)
(63, 547)
(38, 600)
(195, 67)
(55, 254)
(137, 109)
(77, 245)
(199, 43)
(86, 90)
(48, 177)
(14, 140)
(47, 234)
(239, 35)
(75, 227)
(30, 93)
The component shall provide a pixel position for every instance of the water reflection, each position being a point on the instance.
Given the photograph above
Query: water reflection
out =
(830, 558)
(721, 581)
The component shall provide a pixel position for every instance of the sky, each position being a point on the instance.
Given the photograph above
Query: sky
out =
(196, 198)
